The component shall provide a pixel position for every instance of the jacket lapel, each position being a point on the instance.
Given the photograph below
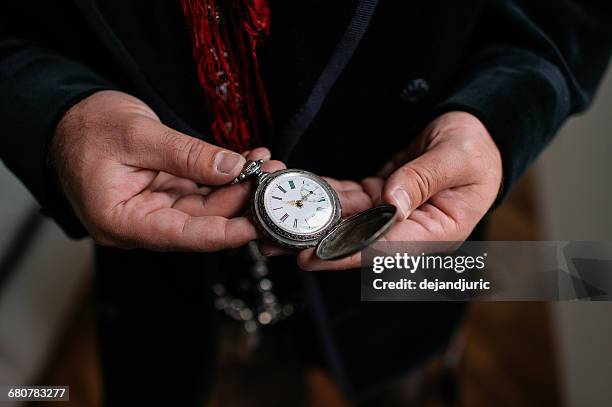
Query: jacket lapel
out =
(131, 68)
(350, 38)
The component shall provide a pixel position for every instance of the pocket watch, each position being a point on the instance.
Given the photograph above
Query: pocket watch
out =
(298, 209)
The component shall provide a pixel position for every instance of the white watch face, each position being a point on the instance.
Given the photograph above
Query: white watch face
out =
(298, 203)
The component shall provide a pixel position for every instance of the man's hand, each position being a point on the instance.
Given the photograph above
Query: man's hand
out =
(443, 185)
(136, 183)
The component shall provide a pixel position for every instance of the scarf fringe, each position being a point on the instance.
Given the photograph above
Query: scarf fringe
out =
(224, 46)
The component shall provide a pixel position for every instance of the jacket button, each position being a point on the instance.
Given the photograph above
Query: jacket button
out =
(415, 90)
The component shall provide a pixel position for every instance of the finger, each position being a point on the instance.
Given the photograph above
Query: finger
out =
(269, 249)
(343, 185)
(353, 202)
(259, 153)
(307, 260)
(414, 183)
(227, 201)
(273, 166)
(153, 145)
(204, 189)
(168, 229)
(373, 186)
(173, 185)
(428, 224)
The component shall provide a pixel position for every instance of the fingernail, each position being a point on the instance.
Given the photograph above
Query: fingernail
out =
(403, 201)
(227, 161)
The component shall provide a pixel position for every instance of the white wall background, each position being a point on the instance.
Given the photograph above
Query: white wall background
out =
(576, 198)
(40, 293)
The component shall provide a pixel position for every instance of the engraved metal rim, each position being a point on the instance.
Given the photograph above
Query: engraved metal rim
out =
(354, 220)
(288, 239)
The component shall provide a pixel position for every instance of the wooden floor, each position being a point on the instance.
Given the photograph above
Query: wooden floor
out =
(508, 356)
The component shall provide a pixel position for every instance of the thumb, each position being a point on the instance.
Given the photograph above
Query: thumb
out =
(414, 183)
(158, 147)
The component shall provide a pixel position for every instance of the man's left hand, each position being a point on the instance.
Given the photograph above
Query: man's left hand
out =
(442, 186)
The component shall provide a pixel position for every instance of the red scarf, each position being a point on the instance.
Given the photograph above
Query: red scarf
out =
(224, 44)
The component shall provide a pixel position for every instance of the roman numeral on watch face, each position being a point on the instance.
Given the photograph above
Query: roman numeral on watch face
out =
(295, 223)
(282, 189)
(284, 217)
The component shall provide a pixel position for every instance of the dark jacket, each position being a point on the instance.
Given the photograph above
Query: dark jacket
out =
(350, 82)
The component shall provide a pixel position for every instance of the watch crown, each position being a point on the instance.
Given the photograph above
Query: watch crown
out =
(250, 168)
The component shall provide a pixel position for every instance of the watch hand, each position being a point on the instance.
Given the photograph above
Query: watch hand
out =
(296, 202)
(308, 194)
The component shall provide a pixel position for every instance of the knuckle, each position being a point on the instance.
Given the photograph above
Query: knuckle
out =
(175, 148)
(187, 152)
(344, 197)
(273, 165)
(132, 128)
(131, 133)
(215, 244)
(193, 155)
(172, 143)
(471, 149)
(224, 241)
(419, 182)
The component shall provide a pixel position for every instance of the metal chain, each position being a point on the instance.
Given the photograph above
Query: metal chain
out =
(266, 310)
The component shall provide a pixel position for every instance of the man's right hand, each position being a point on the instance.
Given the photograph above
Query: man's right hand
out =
(136, 183)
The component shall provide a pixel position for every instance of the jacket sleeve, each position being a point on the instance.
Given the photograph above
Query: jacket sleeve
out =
(533, 64)
(37, 86)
